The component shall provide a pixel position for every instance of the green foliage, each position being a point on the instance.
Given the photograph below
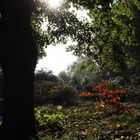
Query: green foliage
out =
(50, 120)
(61, 23)
(83, 72)
(63, 95)
(112, 32)
(111, 39)
(83, 122)
(44, 81)
(51, 89)
(41, 91)
(64, 77)
(46, 75)
(107, 38)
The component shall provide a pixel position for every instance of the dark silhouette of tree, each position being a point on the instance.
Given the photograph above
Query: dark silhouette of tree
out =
(18, 57)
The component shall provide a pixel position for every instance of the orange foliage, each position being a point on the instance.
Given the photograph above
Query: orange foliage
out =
(107, 96)
(102, 85)
(86, 94)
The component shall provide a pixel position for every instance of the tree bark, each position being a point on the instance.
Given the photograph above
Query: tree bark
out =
(18, 60)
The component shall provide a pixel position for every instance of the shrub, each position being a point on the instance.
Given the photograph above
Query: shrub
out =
(63, 95)
(49, 122)
(41, 90)
(107, 97)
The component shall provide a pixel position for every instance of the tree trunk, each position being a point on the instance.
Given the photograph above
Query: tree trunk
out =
(18, 58)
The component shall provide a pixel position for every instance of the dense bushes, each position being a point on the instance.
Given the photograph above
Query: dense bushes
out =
(63, 94)
(49, 92)
(41, 90)
(50, 89)
(59, 90)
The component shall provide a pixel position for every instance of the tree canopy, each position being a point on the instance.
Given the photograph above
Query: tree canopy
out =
(110, 38)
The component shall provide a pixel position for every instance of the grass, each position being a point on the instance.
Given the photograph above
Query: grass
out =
(85, 122)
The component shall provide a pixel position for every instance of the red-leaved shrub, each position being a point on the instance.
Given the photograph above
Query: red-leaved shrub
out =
(107, 97)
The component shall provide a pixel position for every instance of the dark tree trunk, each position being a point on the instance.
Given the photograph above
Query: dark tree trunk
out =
(18, 60)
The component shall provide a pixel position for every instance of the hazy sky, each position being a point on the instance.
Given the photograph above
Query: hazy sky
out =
(57, 59)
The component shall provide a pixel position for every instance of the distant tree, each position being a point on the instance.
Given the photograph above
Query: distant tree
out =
(84, 72)
(64, 76)
(46, 75)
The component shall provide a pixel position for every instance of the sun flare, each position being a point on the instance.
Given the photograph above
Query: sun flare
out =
(55, 3)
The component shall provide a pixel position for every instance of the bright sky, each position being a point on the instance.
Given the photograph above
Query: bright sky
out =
(57, 59)
(53, 3)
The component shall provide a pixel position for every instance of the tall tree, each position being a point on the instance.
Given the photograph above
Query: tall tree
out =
(107, 37)
(18, 57)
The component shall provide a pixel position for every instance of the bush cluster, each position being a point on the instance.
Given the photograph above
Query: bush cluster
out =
(50, 90)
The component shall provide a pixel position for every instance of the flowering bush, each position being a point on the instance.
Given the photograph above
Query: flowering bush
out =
(107, 97)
